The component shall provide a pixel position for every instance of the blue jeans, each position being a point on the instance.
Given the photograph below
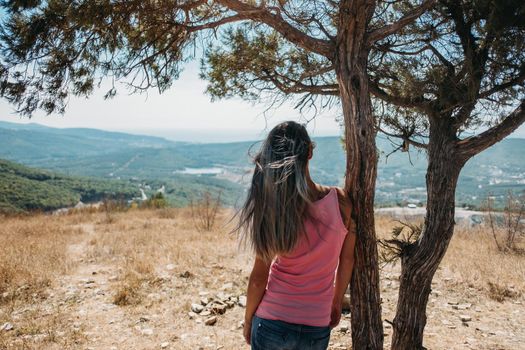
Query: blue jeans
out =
(279, 335)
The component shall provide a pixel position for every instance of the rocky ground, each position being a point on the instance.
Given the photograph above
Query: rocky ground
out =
(194, 298)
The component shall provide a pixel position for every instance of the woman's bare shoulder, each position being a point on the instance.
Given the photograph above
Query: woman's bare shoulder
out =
(343, 196)
(345, 206)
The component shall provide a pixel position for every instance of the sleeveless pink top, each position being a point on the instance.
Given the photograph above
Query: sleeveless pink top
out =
(300, 285)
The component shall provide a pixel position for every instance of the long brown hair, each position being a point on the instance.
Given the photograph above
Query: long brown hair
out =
(272, 217)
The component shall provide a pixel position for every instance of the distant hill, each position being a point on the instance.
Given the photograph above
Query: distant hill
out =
(25, 189)
(187, 169)
(34, 143)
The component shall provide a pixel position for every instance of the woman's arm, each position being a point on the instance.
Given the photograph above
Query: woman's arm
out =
(256, 290)
(344, 273)
(346, 258)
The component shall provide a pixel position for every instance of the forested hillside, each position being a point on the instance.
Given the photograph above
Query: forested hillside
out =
(25, 189)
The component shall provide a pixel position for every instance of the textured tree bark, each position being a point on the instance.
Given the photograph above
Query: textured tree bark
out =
(361, 170)
(420, 261)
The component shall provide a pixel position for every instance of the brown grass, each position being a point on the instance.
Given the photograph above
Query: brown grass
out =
(33, 251)
(156, 263)
(474, 261)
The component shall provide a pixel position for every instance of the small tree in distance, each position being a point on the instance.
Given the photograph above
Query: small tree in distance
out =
(204, 211)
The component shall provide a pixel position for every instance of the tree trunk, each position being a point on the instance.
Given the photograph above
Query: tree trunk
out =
(361, 169)
(420, 261)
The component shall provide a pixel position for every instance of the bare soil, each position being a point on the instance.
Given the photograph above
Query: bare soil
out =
(131, 278)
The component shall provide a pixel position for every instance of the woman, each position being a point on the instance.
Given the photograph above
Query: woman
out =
(301, 233)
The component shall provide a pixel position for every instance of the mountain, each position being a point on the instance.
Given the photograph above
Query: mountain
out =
(34, 143)
(187, 169)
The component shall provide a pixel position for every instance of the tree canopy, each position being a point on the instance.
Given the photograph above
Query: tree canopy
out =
(53, 49)
(463, 62)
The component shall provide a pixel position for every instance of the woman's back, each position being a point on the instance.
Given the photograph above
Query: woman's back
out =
(301, 284)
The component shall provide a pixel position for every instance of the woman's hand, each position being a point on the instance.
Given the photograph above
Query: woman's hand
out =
(247, 330)
(335, 315)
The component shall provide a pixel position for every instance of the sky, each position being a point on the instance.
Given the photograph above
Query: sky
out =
(183, 113)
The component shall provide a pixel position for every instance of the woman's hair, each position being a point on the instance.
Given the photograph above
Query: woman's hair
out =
(272, 217)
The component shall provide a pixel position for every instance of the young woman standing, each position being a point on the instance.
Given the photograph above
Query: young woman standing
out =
(303, 238)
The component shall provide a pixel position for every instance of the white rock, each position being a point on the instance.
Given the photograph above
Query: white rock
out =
(164, 345)
(210, 321)
(197, 308)
(227, 286)
(465, 318)
(147, 331)
(6, 327)
(242, 301)
(170, 267)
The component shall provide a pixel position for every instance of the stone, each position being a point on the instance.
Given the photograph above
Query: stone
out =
(185, 274)
(223, 296)
(192, 315)
(197, 308)
(147, 331)
(205, 301)
(206, 313)
(218, 309)
(464, 306)
(465, 318)
(7, 327)
(164, 345)
(343, 328)
(170, 267)
(227, 286)
(210, 321)
(242, 301)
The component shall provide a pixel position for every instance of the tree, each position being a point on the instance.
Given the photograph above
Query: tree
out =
(459, 68)
(316, 50)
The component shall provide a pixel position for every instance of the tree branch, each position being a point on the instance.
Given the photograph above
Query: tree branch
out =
(497, 88)
(419, 103)
(473, 145)
(405, 138)
(218, 23)
(411, 16)
(292, 34)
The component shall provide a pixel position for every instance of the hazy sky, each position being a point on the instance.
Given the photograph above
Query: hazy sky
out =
(183, 113)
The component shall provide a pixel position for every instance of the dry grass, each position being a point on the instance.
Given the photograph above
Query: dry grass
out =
(33, 253)
(474, 261)
(148, 266)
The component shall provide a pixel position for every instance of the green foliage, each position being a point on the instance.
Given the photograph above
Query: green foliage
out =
(253, 63)
(157, 201)
(26, 189)
(463, 61)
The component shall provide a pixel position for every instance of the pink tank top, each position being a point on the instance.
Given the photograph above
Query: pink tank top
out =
(300, 285)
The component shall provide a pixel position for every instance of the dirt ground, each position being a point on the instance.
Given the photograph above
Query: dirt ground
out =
(128, 281)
